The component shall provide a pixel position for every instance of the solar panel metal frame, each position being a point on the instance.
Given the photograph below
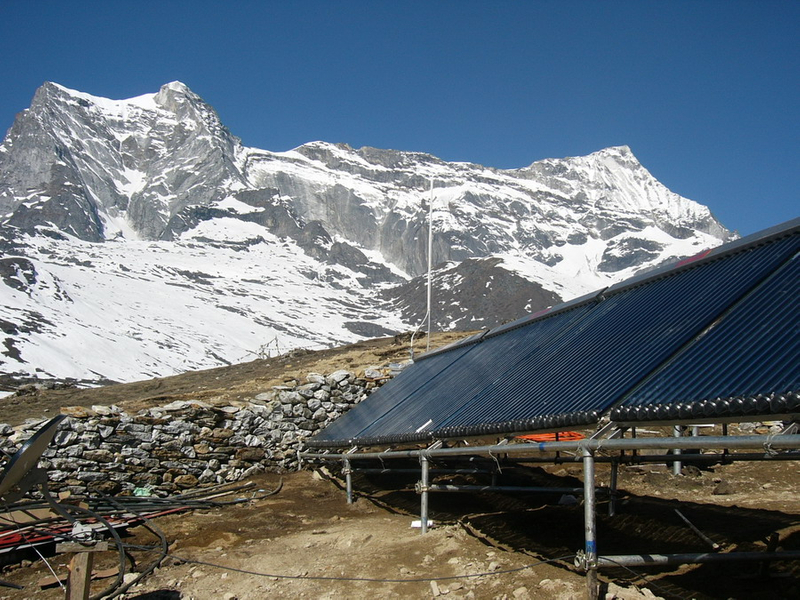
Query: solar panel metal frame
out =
(635, 358)
(374, 431)
(732, 370)
(347, 428)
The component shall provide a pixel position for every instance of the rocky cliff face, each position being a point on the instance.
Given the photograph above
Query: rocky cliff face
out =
(95, 168)
(109, 201)
(379, 201)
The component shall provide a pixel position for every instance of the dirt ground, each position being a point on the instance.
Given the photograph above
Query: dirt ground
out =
(235, 382)
(308, 530)
(305, 541)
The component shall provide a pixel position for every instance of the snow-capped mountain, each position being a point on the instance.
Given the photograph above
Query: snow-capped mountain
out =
(140, 238)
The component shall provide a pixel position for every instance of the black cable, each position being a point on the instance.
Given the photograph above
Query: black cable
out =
(33, 547)
(163, 551)
(117, 542)
(67, 536)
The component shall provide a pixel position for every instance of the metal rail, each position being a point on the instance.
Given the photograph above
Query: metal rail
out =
(504, 488)
(744, 442)
(643, 560)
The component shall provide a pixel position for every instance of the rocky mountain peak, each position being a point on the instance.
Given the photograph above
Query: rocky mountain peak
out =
(177, 87)
(100, 168)
(225, 248)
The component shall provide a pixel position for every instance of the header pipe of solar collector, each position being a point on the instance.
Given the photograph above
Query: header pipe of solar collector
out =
(769, 442)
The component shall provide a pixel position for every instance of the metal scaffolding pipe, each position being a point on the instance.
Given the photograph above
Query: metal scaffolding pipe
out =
(348, 477)
(388, 471)
(424, 484)
(677, 431)
(642, 560)
(612, 491)
(585, 450)
(635, 459)
(590, 530)
(626, 459)
(769, 443)
(503, 488)
(701, 458)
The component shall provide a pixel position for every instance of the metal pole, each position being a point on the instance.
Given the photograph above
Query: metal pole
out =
(714, 546)
(503, 488)
(590, 531)
(641, 560)
(725, 434)
(766, 442)
(676, 466)
(424, 482)
(623, 459)
(430, 262)
(389, 471)
(348, 477)
(612, 490)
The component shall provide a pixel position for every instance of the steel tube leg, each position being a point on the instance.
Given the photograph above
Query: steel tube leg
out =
(348, 477)
(612, 492)
(590, 530)
(425, 480)
(676, 466)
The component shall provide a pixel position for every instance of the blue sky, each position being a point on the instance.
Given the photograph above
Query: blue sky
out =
(706, 94)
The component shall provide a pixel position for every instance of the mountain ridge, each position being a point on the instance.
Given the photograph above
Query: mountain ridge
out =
(153, 202)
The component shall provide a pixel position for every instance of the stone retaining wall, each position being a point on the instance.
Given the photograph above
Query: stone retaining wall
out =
(184, 444)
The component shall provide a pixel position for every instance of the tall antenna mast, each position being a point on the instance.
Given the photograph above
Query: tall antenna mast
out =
(430, 261)
(427, 317)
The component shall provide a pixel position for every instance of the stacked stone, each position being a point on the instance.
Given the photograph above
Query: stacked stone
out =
(186, 444)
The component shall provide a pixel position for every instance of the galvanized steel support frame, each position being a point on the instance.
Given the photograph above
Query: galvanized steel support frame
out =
(348, 478)
(587, 450)
(589, 526)
(644, 560)
(768, 443)
(612, 489)
(423, 491)
(504, 488)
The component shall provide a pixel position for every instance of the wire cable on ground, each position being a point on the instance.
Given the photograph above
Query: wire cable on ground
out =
(68, 536)
(41, 556)
(56, 528)
(117, 541)
(163, 551)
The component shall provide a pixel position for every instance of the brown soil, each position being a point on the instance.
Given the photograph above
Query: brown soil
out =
(306, 542)
(222, 384)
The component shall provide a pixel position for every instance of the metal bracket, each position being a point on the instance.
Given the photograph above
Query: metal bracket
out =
(610, 426)
(583, 561)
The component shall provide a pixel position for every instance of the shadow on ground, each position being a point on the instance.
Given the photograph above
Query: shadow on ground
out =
(539, 525)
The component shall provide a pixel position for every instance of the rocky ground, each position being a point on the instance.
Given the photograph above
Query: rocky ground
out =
(306, 542)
